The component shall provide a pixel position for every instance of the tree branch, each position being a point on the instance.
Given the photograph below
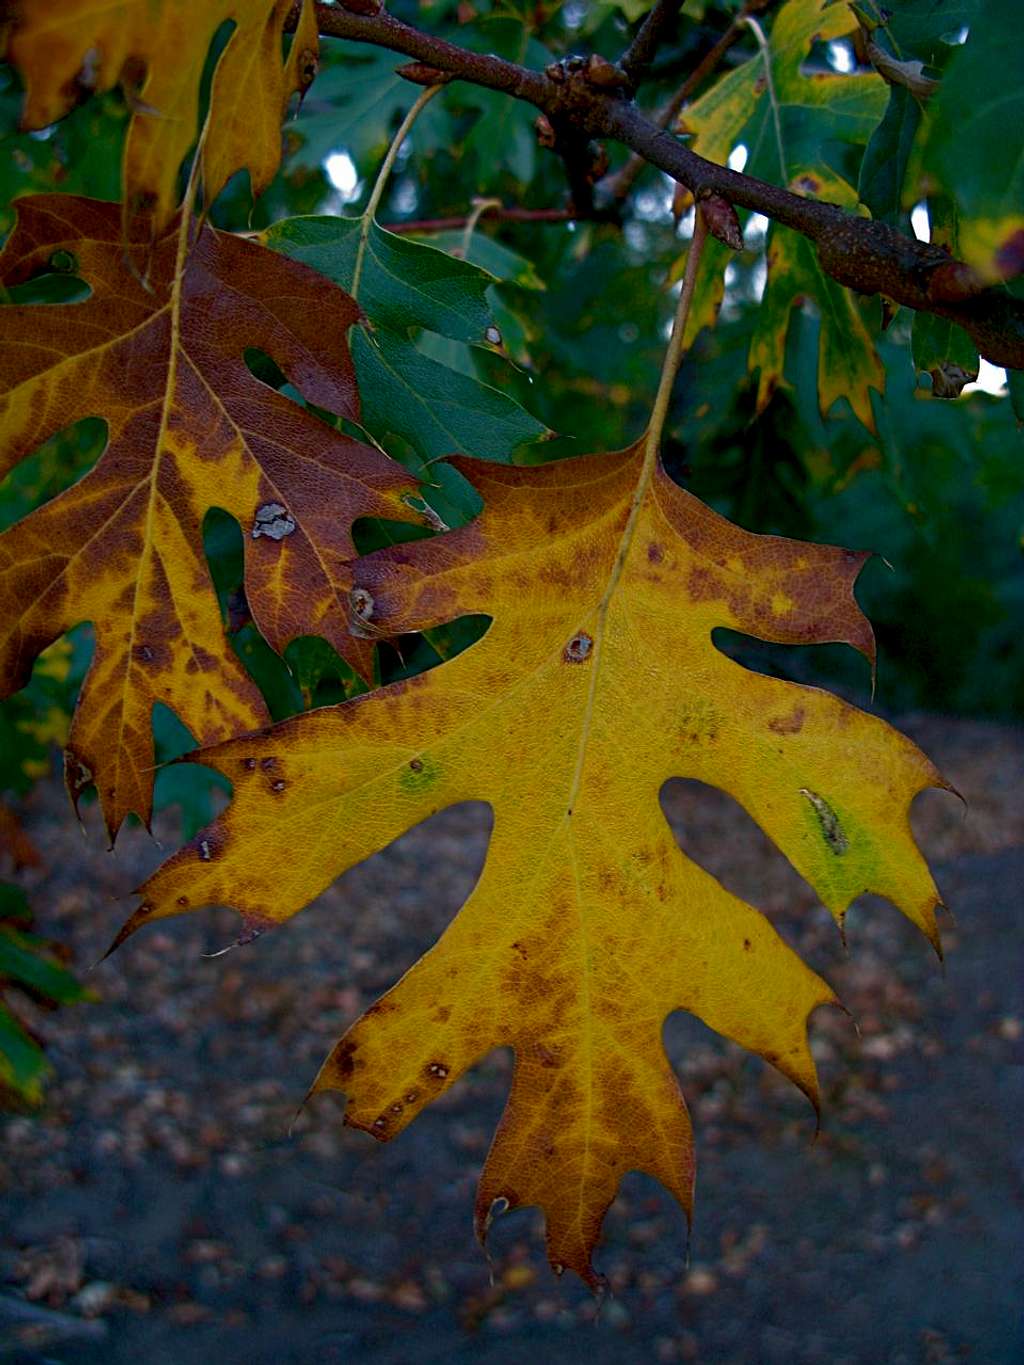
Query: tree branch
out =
(619, 185)
(865, 255)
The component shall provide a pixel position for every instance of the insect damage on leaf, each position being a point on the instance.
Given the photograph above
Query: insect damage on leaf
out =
(595, 683)
(189, 428)
(156, 50)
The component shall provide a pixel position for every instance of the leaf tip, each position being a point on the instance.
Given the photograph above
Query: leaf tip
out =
(134, 921)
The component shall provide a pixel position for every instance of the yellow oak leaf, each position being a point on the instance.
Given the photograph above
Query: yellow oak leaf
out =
(189, 428)
(596, 681)
(156, 50)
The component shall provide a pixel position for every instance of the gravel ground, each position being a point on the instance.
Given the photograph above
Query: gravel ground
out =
(158, 1209)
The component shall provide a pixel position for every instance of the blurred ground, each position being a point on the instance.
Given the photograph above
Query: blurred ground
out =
(157, 1209)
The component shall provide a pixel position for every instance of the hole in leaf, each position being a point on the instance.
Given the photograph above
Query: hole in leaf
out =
(375, 533)
(320, 673)
(34, 721)
(224, 548)
(311, 672)
(55, 285)
(264, 368)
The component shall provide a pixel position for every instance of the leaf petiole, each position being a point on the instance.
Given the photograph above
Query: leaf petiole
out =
(423, 99)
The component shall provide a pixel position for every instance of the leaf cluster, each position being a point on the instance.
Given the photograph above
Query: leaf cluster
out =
(299, 468)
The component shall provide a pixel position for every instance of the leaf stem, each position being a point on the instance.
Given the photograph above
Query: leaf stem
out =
(652, 443)
(480, 206)
(376, 194)
(674, 351)
(766, 57)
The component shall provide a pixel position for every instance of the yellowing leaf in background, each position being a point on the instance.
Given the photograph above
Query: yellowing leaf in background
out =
(596, 681)
(156, 50)
(848, 364)
(190, 428)
(800, 128)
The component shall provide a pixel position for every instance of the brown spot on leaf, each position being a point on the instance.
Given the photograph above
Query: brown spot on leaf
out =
(344, 1058)
(202, 658)
(655, 552)
(788, 725)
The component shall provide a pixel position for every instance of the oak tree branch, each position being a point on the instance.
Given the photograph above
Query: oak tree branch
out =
(867, 256)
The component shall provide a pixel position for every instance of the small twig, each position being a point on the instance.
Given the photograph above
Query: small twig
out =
(578, 155)
(618, 185)
(674, 351)
(502, 214)
(654, 30)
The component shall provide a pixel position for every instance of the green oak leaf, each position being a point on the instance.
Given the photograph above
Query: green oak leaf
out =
(975, 141)
(506, 265)
(403, 284)
(920, 30)
(407, 286)
(436, 409)
(887, 157)
(353, 104)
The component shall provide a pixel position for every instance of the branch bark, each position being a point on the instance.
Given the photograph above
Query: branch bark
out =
(619, 185)
(867, 256)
